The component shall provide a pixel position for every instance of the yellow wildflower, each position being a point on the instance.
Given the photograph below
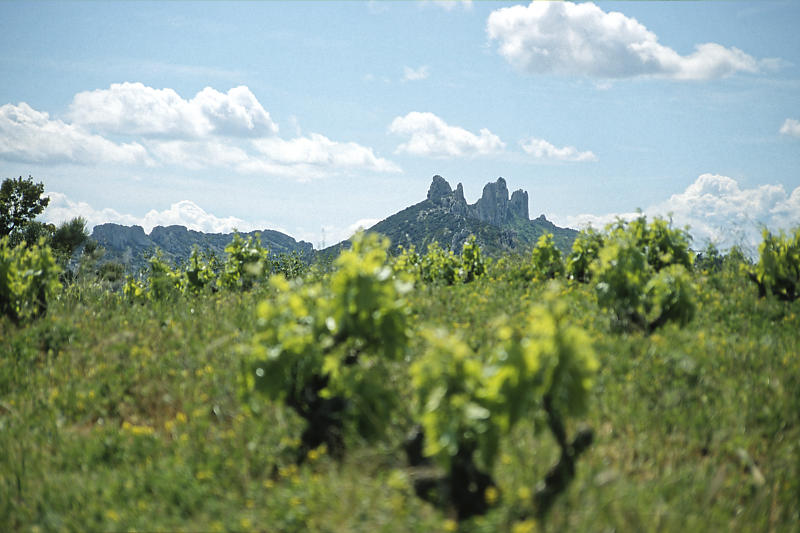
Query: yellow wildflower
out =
(491, 495)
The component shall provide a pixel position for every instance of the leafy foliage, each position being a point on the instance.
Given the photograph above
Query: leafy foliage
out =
(28, 279)
(246, 263)
(164, 282)
(585, 250)
(438, 265)
(472, 399)
(670, 297)
(200, 272)
(333, 341)
(641, 274)
(662, 244)
(498, 372)
(442, 266)
(68, 236)
(778, 269)
(469, 401)
(546, 262)
(472, 265)
(20, 201)
(32, 231)
(450, 384)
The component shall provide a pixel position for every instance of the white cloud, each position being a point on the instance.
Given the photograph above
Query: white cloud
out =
(791, 127)
(421, 73)
(212, 130)
(32, 136)
(318, 151)
(449, 5)
(582, 39)
(431, 136)
(135, 109)
(302, 158)
(183, 213)
(197, 155)
(541, 149)
(718, 210)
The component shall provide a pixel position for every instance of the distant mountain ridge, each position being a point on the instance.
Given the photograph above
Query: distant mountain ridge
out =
(131, 246)
(499, 222)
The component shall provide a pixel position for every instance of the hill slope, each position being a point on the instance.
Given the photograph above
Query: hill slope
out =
(500, 223)
(130, 245)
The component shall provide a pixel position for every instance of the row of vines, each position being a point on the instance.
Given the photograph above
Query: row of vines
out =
(340, 347)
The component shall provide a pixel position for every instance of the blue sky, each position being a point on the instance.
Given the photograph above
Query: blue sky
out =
(309, 115)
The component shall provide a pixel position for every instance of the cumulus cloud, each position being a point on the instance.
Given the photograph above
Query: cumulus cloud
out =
(431, 136)
(541, 149)
(317, 150)
(31, 136)
(196, 155)
(135, 109)
(212, 130)
(581, 39)
(411, 74)
(183, 213)
(302, 158)
(791, 127)
(718, 210)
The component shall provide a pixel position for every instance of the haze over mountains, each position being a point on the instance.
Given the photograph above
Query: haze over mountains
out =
(500, 223)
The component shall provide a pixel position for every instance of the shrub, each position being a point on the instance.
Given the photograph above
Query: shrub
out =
(670, 297)
(439, 266)
(778, 269)
(246, 262)
(621, 273)
(28, 279)
(662, 244)
(638, 294)
(546, 260)
(585, 249)
(472, 265)
(200, 273)
(468, 401)
(324, 349)
(164, 282)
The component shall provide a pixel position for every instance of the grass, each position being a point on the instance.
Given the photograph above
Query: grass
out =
(129, 417)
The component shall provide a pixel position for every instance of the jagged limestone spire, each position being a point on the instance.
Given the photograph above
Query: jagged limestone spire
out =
(438, 189)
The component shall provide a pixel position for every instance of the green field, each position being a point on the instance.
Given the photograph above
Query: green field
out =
(125, 412)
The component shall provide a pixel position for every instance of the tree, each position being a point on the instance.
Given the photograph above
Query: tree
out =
(31, 232)
(20, 201)
(69, 236)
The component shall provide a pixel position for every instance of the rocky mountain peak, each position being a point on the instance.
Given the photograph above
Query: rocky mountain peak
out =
(494, 205)
(121, 237)
(518, 205)
(459, 193)
(439, 188)
(498, 221)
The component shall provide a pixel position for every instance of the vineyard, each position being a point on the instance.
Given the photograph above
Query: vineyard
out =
(630, 385)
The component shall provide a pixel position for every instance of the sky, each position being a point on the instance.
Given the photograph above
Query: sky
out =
(314, 118)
